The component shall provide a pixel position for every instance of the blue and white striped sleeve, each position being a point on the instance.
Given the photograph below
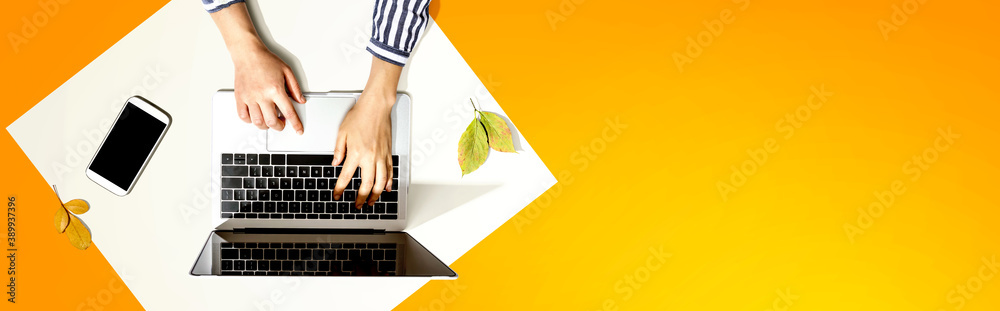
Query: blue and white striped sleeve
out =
(396, 27)
(213, 6)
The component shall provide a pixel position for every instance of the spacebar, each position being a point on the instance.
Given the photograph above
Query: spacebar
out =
(309, 159)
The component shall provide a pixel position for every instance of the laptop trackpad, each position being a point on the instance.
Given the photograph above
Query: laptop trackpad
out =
(321, 117)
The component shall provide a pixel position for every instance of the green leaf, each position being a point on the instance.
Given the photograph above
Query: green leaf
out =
(472, 147)
(498, 132)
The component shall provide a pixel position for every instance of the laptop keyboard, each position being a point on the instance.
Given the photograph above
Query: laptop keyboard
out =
(308, 259)
(296, 186)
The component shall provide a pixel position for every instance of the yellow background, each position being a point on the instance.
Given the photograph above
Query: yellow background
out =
(564, 69)
(656, 184)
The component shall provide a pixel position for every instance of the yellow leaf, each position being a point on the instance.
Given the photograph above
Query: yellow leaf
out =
(497, 131)
(61, 220)
(472, 147)
(78, 233)
(77, 206)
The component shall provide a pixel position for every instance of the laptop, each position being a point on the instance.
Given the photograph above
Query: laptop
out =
(273, 206)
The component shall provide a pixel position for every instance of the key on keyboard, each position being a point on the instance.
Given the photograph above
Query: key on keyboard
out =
(269, 258)
(289, 182)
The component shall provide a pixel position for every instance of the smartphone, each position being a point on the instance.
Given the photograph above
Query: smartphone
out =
(128, 146)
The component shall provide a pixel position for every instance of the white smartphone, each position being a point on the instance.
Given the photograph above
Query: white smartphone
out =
(128, 146)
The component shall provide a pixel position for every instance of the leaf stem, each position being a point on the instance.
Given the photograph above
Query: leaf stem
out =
(61, 204)
(473, 103)
(57, 193)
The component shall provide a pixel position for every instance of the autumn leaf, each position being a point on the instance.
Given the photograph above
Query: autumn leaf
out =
(61, 220)
(487, 130)
(78, 233)
(497, 132)
(67, 222)
(77, 206)
(472, 147)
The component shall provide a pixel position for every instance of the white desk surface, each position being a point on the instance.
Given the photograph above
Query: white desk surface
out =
(177, 60)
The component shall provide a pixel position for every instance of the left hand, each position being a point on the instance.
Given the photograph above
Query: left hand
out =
(365, 141)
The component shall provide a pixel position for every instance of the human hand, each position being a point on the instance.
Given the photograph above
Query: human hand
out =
(261, 82)
(364, 141)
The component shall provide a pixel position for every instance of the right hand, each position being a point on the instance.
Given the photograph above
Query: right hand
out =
(263, 86)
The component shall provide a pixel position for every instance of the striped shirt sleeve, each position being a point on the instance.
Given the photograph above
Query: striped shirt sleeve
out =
(213, 6)
(396, 27)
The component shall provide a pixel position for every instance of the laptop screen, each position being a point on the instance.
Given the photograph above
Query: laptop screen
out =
(317, 254)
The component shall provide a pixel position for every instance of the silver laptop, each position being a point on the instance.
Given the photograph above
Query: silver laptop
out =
(273, 205)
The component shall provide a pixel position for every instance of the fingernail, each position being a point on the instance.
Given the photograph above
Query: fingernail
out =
(336, 197)
(298, 132)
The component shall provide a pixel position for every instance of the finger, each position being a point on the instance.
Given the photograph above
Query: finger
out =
(367, 181)
(388, 170)
(379, 182)
(345, 178)
(340, 149)
(242, 112)
(255, 117)
(271, 116)
(289, 112)
(293, 86)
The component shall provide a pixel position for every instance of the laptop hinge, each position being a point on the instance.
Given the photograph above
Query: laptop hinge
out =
(308, 231)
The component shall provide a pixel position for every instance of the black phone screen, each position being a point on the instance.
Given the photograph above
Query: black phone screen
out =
(127, 146)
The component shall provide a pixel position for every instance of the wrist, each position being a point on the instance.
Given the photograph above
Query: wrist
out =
(383, 80)
(381, 92)
(245, 47)
(381, 100)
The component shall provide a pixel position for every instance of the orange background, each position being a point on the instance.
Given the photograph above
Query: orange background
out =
(656, 184)
(778, 242)
(51, 274)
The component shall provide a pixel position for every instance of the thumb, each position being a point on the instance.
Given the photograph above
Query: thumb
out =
(341, 149)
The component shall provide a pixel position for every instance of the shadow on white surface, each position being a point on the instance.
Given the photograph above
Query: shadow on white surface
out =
(450, 218)
(515, 135)
(427, 201)
(257, 17)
